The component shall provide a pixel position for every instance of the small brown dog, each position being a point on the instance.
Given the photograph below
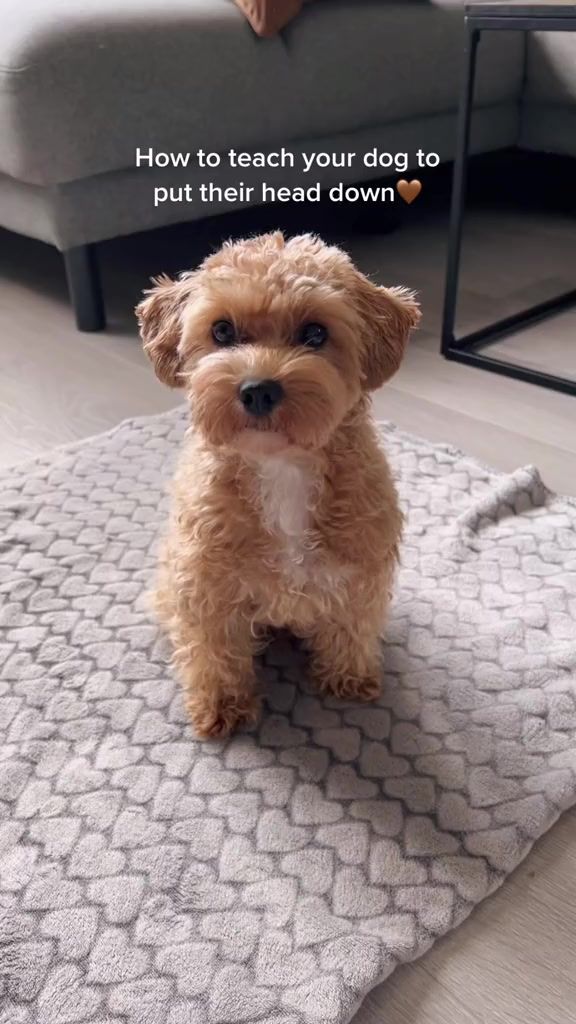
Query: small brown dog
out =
(284, 512)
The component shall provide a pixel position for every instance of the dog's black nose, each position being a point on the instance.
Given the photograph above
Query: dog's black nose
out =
(260, 397)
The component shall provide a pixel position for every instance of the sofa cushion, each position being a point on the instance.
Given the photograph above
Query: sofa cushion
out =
(551, 67)
(83, 85)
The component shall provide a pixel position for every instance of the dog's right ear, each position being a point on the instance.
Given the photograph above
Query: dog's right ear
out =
(160, 321)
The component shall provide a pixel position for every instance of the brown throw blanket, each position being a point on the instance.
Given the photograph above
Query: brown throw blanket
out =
(269, 16)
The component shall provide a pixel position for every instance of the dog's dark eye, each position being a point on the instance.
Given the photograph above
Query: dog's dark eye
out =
(313, 335)
(224, 332)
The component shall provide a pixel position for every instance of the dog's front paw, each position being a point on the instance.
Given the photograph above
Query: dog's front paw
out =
(216, 721)
(365, 689)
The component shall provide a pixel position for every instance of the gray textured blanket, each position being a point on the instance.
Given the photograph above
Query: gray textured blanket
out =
(147, 878)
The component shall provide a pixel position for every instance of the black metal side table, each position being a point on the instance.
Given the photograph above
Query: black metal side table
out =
(506, 15)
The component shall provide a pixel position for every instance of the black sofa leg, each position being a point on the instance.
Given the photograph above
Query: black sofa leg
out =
(84, 287)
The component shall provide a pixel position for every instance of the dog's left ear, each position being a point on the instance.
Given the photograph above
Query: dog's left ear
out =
(160, 321)
(389, 314)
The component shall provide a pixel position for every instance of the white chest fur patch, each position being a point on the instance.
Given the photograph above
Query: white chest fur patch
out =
(287, 493)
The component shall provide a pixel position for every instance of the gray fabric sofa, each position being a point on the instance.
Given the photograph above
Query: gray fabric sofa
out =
(83, 85)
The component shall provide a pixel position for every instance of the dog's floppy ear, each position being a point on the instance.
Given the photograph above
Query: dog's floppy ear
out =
(389, 314)
(160, 321)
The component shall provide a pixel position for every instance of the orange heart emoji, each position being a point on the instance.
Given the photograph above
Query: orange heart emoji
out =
(409, 190)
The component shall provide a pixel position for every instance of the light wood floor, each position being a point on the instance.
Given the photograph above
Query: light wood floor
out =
(514, 960)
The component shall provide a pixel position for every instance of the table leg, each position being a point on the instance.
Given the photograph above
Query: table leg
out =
(459, 189)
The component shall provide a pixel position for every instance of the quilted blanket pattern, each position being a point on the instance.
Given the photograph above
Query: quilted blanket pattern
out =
(148, 878)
